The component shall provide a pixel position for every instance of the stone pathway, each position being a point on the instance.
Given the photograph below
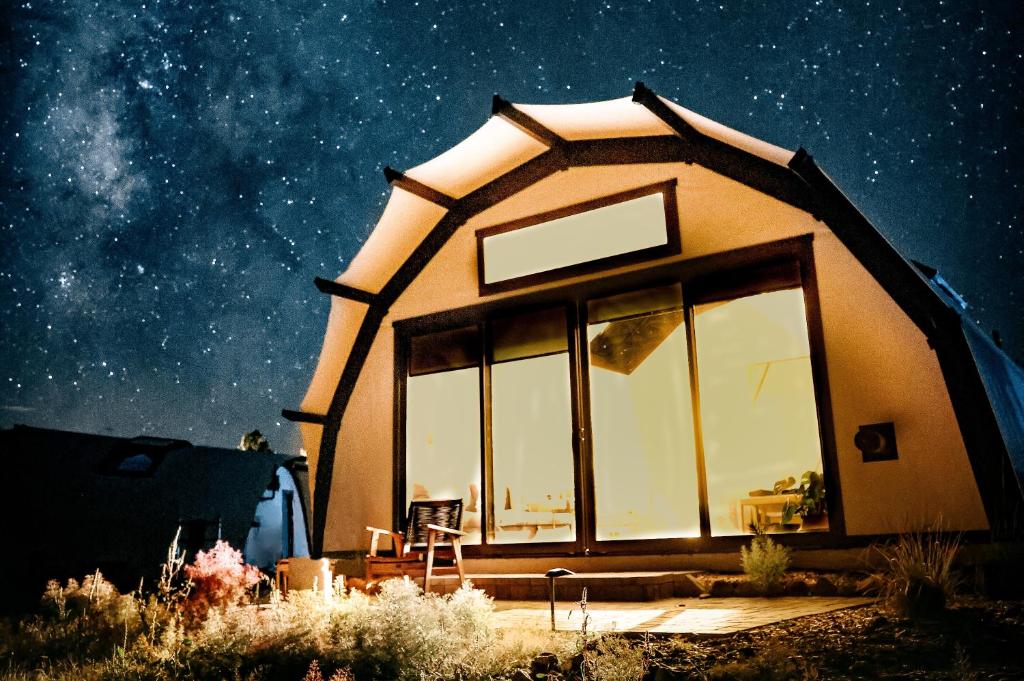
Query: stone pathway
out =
(708, 617)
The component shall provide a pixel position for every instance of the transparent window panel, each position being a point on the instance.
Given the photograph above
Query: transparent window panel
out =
(645, 470)
(442, 426)
(531, 431)
(758, 414)
(583, 237)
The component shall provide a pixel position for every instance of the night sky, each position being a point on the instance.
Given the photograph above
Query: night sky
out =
(173, 175)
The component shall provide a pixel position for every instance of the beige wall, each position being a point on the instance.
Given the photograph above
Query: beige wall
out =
(881, 369)
(880, 366)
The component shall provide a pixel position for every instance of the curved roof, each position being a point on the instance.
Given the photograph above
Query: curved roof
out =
(494, 149)
(522, 144)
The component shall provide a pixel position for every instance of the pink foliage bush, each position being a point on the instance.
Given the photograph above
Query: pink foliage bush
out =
(219, 578)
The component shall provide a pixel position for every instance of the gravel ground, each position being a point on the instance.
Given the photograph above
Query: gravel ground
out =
(975, 639)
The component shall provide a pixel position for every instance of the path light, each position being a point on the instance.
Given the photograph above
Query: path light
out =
(551, 575)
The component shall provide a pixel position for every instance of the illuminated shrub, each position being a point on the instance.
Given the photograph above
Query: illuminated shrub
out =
(765, 564)
(219, 578)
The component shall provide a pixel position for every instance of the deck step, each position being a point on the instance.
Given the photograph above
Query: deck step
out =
(601, 586)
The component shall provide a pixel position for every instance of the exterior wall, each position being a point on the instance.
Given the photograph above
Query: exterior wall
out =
(361, 485)
(880, 366)
(881, 369)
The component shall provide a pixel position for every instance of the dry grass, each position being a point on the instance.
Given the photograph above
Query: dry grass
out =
(88, 630)
(919, 576)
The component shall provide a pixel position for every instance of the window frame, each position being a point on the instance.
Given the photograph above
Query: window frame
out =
(672, 245)
(755, 269)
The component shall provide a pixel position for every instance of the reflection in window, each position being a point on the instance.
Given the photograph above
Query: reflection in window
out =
(531, 429)
(442, 423)
(758, 414)
(645, 474)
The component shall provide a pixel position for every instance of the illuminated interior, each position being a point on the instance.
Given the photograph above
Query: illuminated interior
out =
(492, 421)
(645, 473)
(758, 416)
(577, 238)
(531, 430)
(442, 448)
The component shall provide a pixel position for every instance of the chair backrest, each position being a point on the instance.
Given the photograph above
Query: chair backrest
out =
(443, 512)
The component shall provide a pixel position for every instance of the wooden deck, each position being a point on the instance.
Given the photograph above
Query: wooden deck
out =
(706, 617)
(601, 586)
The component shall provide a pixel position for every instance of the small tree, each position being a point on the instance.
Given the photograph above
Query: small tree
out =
(255, 442)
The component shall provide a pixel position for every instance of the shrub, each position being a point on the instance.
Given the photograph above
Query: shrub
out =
(79, 621)
(774, 663)
(219, 578)
(406, 634)
(919, 577)
(618, 660)
(89, 631)
(765, 563)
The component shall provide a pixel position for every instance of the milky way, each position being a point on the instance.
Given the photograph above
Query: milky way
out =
(173, 175)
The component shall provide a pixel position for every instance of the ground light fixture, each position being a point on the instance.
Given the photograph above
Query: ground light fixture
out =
(552, 575)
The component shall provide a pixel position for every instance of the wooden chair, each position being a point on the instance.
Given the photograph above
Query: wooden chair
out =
(433, 531)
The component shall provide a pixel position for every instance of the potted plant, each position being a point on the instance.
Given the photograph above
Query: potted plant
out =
(811, 505)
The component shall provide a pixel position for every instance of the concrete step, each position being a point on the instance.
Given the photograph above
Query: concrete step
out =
(601, 586)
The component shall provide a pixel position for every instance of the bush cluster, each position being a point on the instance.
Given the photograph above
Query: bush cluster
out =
(202, 623)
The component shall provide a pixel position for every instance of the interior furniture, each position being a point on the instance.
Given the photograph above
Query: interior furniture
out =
(433, 532)
(766, 510)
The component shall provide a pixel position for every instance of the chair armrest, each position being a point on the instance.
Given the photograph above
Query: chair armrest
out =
(398, 539)
(446, 530)
(377, 530)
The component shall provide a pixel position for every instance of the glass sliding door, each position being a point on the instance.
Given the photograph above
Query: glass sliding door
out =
(644, 453)
(682, 418)
(532, 455)
(442, 425)
(758, 414)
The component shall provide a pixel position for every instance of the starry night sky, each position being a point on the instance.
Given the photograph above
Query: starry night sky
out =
(173, 175)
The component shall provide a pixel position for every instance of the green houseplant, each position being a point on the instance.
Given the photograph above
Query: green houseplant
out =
(811, 505)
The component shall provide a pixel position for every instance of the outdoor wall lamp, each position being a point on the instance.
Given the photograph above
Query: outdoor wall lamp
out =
(877, 442)
(553, 574)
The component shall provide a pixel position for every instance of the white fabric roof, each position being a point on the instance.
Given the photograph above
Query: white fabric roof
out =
(494, 149)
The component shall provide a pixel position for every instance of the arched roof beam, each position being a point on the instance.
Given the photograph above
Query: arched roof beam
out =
(529, 125)
(344, 291)
(402, 181)
(297, 416)
(725, 159)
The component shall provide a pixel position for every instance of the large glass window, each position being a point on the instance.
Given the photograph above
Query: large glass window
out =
(442, 426)
(531, 429)
(702, 416)
(645, 472)
(758, 413)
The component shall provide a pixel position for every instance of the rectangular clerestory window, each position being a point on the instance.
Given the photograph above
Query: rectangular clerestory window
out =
(640, 224)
